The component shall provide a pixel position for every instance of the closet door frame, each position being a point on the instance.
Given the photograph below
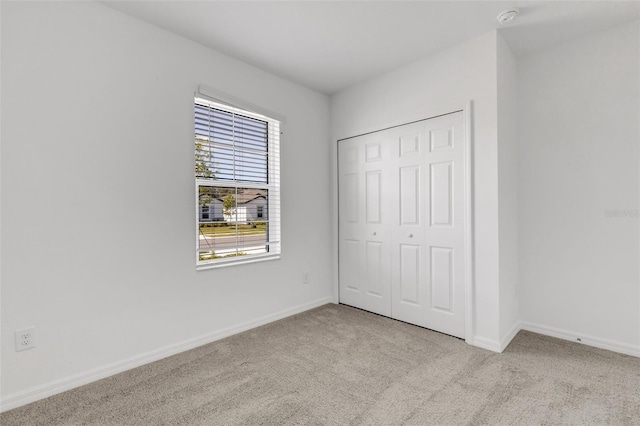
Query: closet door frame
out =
(469, 264)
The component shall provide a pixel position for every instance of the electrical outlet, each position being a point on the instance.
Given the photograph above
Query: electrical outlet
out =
(305, 278)
(25, 339)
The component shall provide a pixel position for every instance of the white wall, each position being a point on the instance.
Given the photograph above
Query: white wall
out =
(507, 191)
(442, 83)
(578, 122)
(97, 196)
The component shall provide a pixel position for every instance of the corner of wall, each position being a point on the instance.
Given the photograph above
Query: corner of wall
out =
(578, 109)
(507, 190)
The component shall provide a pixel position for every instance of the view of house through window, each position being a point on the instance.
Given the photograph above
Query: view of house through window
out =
(237, 181)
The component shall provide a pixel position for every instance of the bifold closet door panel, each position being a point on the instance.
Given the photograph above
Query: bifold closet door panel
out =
(350, 244)
(364, 261)
(408, 273)
(445, 228)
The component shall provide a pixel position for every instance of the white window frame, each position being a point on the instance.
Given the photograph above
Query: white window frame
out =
(275, 122)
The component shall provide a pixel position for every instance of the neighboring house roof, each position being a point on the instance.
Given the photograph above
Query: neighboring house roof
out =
(244, 197)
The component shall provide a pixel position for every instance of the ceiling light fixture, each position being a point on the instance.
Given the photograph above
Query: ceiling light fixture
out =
(507, 16)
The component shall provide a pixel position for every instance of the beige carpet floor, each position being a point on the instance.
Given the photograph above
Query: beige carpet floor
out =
(339, 365)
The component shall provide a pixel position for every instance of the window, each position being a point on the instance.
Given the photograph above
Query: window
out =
(237, 172)
(204, 212)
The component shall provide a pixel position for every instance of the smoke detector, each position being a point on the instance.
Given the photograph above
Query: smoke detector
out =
(507, 16)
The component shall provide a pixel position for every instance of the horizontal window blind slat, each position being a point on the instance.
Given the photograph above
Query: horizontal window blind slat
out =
(231, 123)
(230, 120)
(231, 128)
(224, 141)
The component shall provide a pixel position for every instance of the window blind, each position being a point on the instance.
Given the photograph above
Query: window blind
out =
(237, 171)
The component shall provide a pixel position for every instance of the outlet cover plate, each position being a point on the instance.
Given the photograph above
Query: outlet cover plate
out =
(25, 339)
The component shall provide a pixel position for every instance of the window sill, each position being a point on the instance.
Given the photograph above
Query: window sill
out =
(235, 262)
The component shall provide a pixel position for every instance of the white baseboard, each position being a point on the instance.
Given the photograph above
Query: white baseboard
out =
(484, 343)
(57, 386)
(572, 336)
(509, 337)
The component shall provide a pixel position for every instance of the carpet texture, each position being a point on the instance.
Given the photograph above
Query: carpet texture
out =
(339, 365)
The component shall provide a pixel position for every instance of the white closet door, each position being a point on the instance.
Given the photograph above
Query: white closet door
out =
(364, 263)
(401, 236)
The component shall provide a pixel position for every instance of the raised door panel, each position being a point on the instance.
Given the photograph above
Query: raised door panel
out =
(409, 195)
(373, 196)
(409, 143)
(410, 274)
(441, 282)
(350, 272)
(350, 265)
(441, 199)
(373, 151)
(377, 279)
(351, 194)
(408, 282)
(441, 138)
(373, 268)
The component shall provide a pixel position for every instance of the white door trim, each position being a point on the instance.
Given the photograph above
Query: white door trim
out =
(469, 267)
